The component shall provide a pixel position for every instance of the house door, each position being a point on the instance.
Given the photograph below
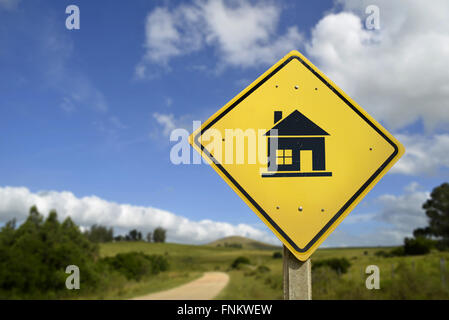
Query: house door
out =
(306, 163)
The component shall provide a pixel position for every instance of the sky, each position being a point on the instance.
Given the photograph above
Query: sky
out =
(86, 114)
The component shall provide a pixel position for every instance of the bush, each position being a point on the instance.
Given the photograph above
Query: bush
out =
(159, 263)
(263, 269)
(33, 257)
(277, 255)
(442, 245)
(135, 265)
(274, 281)
(417, 246)
(397, 252)
(233, 245)
(340, 265)
(382, 254)
(239, 261)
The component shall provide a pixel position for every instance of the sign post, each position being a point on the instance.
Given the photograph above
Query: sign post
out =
(301, 154)
(297, 277)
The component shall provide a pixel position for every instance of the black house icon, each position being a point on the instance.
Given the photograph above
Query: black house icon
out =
(294, 134)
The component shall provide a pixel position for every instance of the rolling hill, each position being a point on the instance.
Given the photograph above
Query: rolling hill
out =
(242, 242)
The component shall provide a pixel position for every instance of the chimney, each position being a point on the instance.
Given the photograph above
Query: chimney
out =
(277, 116)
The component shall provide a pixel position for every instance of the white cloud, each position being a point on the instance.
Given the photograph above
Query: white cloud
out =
(242, 33)
(397, 73)
(55, 51)
(412, 187)
(398, 216)
(168, 101)
(78, 92)
(15, 203)
(380, 237)
(116, 122)
(166, 121)
(359, 218)
(140, 70)
(246, 34)
(48, 64)
(110, 127)
(424, 155)
(9, 4)
(404, 212)
(169, 34)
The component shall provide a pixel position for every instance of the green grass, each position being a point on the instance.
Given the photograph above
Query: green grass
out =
(244, 285)
(187, 257)
(416, 277)
(411, 277)
(129, 289)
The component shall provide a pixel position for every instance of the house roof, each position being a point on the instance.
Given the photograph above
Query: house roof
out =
(297, 124)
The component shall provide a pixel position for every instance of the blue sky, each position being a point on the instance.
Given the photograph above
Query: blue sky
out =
(85, 114)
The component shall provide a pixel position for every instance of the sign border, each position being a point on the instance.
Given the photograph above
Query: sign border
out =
(398, 148)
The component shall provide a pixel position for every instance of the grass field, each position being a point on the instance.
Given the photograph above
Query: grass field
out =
(243, 243)
(416, 277)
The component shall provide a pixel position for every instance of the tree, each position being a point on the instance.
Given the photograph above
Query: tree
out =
(437, 210)
(99, 233)
(159, 234)
(418, 245)
(422, 232)
(34, 256)
(134, 235)
(149, 237)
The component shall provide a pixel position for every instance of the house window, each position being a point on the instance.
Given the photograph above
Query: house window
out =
(284, 157)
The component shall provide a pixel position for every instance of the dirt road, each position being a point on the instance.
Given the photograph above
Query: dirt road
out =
(205, 288)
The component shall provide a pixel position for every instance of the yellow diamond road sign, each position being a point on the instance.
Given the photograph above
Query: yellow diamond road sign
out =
(322, 152)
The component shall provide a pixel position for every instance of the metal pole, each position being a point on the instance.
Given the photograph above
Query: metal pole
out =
(297, 277)
(443, 272)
